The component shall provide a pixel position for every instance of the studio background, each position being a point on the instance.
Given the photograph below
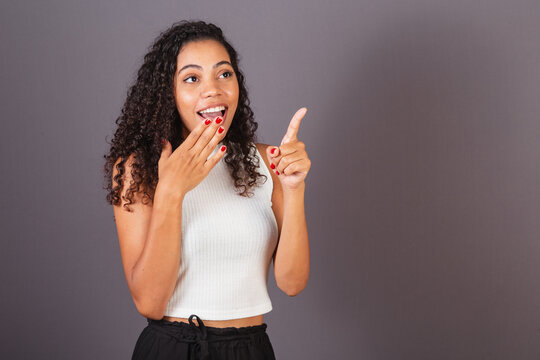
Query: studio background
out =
(422, 201)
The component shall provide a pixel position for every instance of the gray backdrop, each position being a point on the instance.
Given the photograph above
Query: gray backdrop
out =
(422, 201)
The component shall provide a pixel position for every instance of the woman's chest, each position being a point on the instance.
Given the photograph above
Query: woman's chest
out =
(218, 222)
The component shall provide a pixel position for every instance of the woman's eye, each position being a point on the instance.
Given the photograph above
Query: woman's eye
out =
(228, 72)
(187, 80)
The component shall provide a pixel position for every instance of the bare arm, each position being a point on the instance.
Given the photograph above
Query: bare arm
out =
(291, 258)
(291, 164)
(154, 275)
(291, 261)
(150, 243)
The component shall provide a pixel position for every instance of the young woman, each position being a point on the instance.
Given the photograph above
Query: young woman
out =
(196, 227)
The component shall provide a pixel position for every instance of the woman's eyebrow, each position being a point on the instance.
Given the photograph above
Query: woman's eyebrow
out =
(200, 67)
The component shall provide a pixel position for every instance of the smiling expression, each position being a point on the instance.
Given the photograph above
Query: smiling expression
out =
(204, 79)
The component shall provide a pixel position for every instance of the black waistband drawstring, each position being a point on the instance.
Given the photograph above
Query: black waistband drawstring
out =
(200, 350)
(201, 343)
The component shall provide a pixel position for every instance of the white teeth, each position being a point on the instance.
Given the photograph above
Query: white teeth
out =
(214, 109)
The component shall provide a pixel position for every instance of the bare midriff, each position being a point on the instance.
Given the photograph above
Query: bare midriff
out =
(248, 321)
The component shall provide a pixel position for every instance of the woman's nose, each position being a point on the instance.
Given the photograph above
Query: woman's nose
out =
(210, 88)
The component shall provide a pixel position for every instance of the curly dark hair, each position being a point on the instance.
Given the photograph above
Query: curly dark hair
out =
(150, 114)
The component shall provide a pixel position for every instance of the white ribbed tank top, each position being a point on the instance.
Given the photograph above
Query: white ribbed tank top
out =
(227, 245)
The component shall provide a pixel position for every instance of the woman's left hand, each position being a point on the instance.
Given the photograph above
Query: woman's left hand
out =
(290, 161)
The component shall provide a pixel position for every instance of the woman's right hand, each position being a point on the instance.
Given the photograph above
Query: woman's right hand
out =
(183, 169)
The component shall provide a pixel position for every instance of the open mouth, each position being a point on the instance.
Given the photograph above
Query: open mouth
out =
(213, 115)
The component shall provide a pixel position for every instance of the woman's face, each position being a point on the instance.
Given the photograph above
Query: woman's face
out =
(204, 79)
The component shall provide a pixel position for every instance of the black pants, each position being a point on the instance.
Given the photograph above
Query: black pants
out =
(162, 339)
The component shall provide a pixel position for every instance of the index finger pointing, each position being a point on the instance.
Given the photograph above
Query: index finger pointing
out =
(294, 125)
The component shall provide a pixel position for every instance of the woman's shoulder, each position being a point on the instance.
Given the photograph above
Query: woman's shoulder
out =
(264, 151)
(277, 192)
(261, 147)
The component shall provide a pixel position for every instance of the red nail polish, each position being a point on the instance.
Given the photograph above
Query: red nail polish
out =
(218, 120)
(277, 172)
(272, 151)
(272, 166)
(223, 148)
(220, 130)
(206, 122)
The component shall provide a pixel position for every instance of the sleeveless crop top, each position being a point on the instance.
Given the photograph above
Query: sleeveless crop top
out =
(227, 245)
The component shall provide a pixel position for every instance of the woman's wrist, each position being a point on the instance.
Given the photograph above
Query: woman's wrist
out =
(300, 188)
(168, 193)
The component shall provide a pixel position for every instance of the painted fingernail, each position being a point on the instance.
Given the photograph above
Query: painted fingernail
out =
(223, 148)
(272, 151)
(220, 130)
(218, 120)
(272, 166)
(277, 172)
(206, 122)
